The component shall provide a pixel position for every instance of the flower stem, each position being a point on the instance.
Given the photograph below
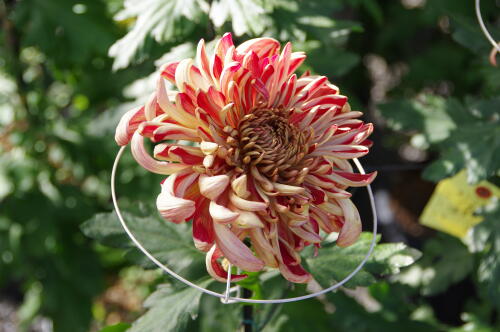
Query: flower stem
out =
(247, 312)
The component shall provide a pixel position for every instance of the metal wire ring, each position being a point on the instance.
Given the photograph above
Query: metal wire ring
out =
(225, 296)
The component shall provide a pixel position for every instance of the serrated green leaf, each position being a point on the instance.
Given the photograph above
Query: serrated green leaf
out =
(334, 263)
(170, 309)
(170, 243)
(389, 258)
(163, 20)
(246, 16)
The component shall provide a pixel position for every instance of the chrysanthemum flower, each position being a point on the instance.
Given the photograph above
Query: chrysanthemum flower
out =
(257, 157)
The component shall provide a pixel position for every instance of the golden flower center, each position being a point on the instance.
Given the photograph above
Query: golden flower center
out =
(267, 141)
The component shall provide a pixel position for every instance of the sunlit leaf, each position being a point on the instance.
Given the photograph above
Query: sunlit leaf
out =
(438, 268)
(486, 240)
(465, 135)
(163, 20)
(246, 16)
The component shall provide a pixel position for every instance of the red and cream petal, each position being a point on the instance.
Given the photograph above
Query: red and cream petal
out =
(146, 161)
(246, 205)
(171, 207)
(262, 247)
(352, 179)
(128, 124)
(235, 250)
(262, 47)
(213, 186)
(288, 265)
(173, 110)
(221, 214)
(187, 155)
(352, 224)
(203, 231)
(216, 270)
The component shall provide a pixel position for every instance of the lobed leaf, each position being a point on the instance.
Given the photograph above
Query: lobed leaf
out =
(169, 309)
(169, 243)
(334, 263)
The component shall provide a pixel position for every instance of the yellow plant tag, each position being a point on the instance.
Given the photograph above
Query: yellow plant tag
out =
(452, 205)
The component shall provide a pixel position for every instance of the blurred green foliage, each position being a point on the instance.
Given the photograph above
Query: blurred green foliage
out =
(69, 69)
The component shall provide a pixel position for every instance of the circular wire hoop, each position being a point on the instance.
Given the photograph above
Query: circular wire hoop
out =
(225, 297)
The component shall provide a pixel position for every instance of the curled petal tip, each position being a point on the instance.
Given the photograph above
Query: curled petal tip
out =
(351, 229)
(145, 160)
(239, 186)
(128, 124)
(212, 186)
(174, 209)
(209, 148)
(221, 214)
(216, 270)
(248, 219)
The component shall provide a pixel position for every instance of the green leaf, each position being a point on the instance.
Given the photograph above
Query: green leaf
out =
(465, 135)
(438, 268)
(350, 315)
(170, 243)
(163, 20)
(486, 240)
(31, 305)
(426, 114)
(246, 16)
(334, 263)
(169, 309)
(120, 327)
(306, 315)
(215, 316)
(389, 258)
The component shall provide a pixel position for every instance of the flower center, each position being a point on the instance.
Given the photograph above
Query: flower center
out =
(266, 141)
